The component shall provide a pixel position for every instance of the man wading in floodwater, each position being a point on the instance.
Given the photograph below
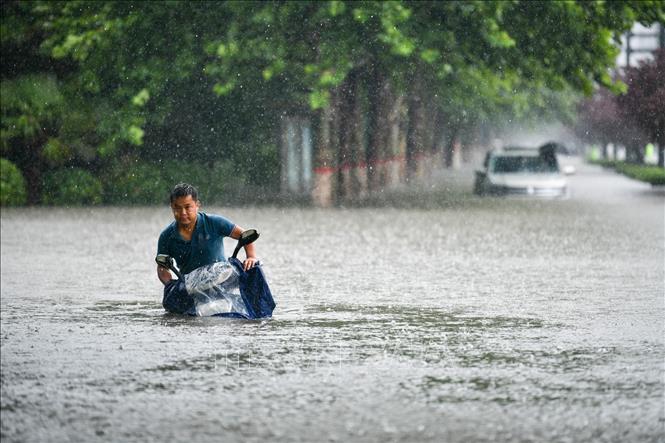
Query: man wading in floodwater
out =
(195, 238)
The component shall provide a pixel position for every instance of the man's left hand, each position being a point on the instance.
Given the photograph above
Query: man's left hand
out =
(249, 263)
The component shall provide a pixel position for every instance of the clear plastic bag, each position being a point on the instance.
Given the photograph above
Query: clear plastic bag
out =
(215, 289)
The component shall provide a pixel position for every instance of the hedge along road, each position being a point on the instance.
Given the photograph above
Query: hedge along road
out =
(482, 319)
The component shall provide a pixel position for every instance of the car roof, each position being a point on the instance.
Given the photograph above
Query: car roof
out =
(515, 151)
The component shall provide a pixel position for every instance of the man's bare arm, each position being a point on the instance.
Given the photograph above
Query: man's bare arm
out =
(250, 252)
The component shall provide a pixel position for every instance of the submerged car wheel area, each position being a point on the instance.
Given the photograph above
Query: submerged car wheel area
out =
(521, 171)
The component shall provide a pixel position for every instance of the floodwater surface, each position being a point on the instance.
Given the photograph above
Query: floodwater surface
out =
(441, 319)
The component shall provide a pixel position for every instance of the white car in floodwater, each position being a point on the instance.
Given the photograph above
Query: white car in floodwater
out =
(521, 171)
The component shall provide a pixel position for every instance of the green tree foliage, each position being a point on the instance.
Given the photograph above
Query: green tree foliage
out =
(71, 186)
(12, 185)
(31, 109)
(147, 63)
(132, 181)
(208, 83)
(128, 181)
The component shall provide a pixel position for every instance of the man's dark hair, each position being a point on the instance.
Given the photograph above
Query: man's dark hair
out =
(183, 190)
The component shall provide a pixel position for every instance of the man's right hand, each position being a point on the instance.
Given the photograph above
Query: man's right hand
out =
(164, 275)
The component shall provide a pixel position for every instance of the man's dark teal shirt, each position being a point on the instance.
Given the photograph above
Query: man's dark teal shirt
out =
(206, 246)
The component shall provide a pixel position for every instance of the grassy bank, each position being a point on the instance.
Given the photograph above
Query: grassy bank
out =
(654, 175)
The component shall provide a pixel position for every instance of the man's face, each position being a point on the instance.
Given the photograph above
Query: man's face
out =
(184, 210)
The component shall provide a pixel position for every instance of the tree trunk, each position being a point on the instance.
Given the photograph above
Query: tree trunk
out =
(415, 143)
(33, 180)
(353, 170)
(438, 132)
(634, 153)
(395, 164)
(660, 145)
(344, 152)
(359, 177)
(380, 97)
(452, 146)
(323, 191)
(30, 162)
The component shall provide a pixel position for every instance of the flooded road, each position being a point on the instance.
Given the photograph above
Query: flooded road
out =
(451, 318)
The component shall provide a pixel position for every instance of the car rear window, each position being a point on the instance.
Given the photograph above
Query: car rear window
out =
(522, 164)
